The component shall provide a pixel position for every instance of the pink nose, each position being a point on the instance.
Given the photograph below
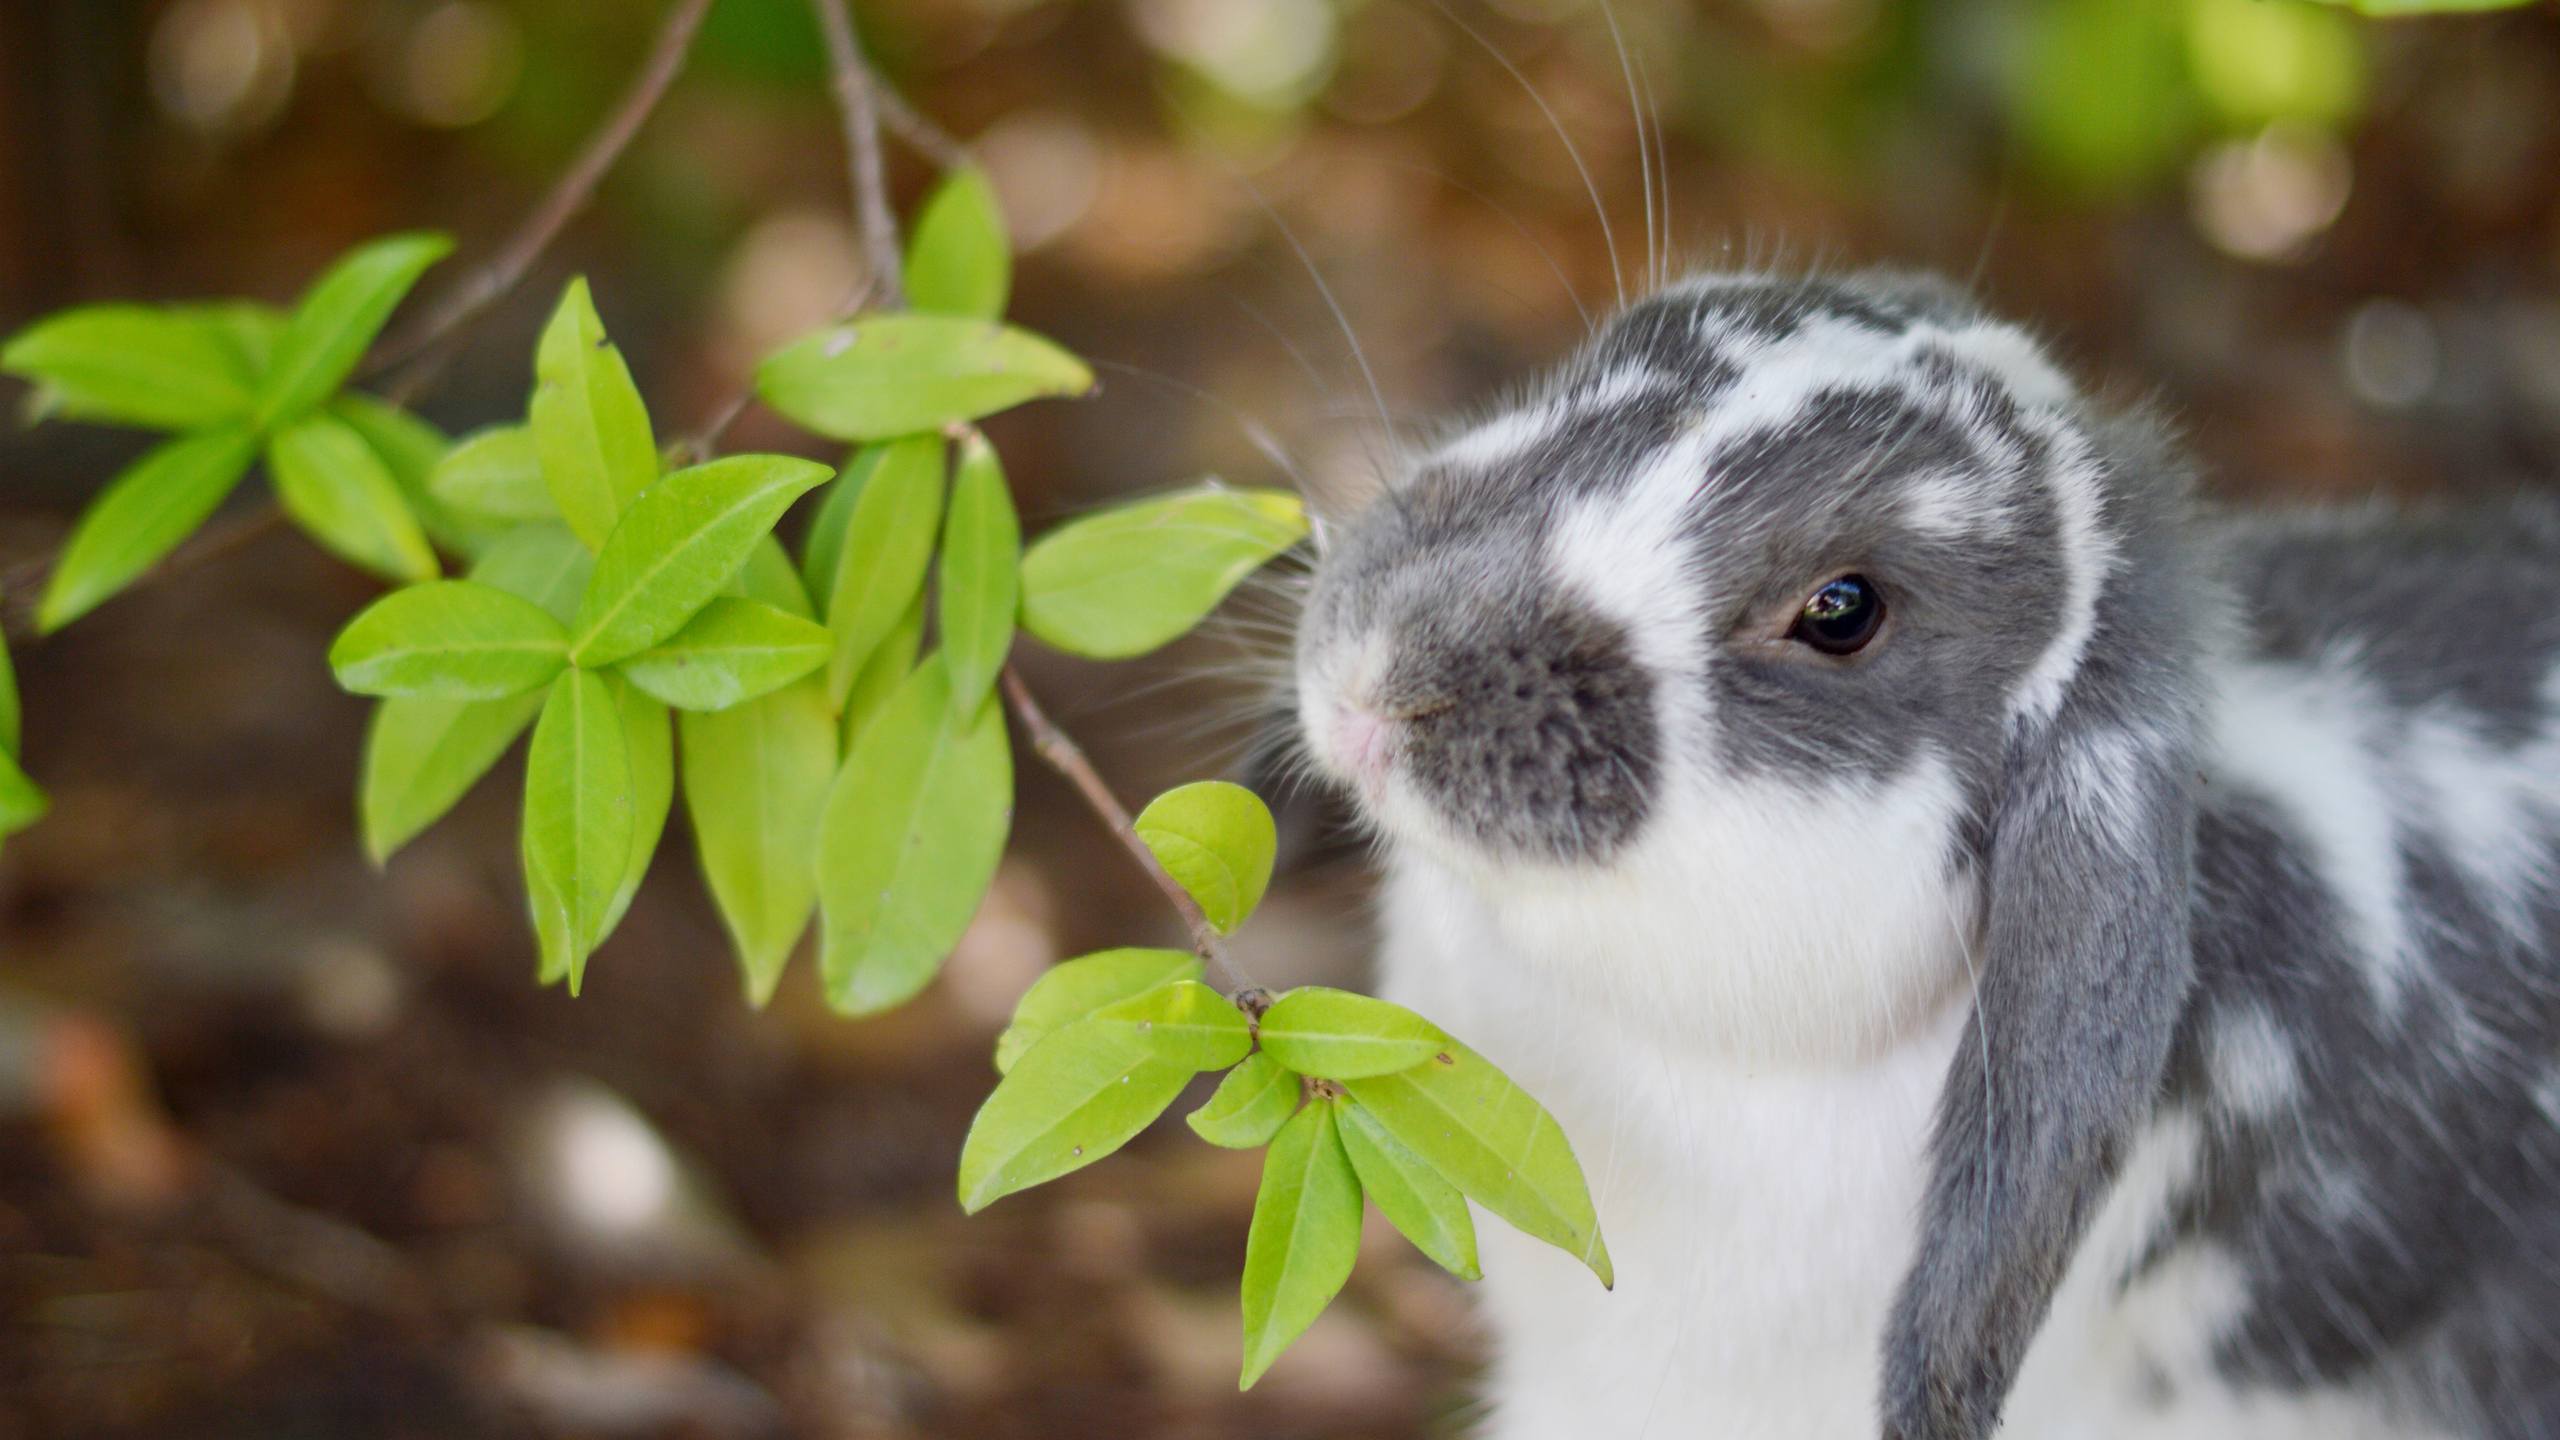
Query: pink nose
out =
(1360, 742)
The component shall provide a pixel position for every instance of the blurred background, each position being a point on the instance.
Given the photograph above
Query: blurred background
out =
(291, 1148)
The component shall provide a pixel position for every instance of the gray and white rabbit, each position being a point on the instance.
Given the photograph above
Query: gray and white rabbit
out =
(2014, 949)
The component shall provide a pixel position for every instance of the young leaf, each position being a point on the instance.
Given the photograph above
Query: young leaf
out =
(1218, 840)
(343, 496)
(141, 516)
(1428, 1210)
(1186, 1023)
(495, 474)
(886, 375)
(589, 427)
(768, 578)
(823, 547)
(891, 662)
(1125, 581)
(960, 261)
(247, 331)
(421, 753)
(410, 449)
(1305, 1235)
(338, 318)
(733, 650)
(755, 785)
(22, 804)
(1487, 1137)
(1338, 1035)
(981, 573)
(167, 369)
(679, 545)
(888, 542)
(1075, 989)
(649, 743)
(578, 819)
(457, 639)
(913, 830)
(1249, 1106)
(8, 700)
(1078, 1095)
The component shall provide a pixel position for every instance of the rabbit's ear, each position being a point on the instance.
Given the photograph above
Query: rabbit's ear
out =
(2083, 969)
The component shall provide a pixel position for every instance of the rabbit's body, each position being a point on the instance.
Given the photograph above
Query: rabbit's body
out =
(2129, 996)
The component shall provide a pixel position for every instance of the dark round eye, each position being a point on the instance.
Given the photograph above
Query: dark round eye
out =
(1841, 617)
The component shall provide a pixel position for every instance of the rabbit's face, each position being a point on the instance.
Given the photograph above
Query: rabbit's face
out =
(1766, 553)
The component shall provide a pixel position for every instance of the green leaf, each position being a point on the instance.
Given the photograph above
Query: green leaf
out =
(495, 474)
(1122, 582)
(913, 830)
(168, 369)
(981, 573)
(338, 318)
(649, 741)
(823, 547)
(1078, 1095)
(886, 375)
(457, 639)
(22, 803)
(679, 545)
(1075, 989)
(421, 753)
(1249, 1106)
(887, 669)
(248, 331)
(1428, 1210)
(888, 543)
(769, 579)
(1339, 1035)
(733, 650)
(410, 449)
(960, 261)
(2395, 9)
(578, 819)
(343, 496)
(1305, 1236)
(1218, 841)
(1186, 1023)
(589, 427)
(1487, 1137)
(755, 786)
(141, 516)
(9, 716)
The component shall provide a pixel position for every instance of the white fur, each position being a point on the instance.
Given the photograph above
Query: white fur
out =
(2255, 1071)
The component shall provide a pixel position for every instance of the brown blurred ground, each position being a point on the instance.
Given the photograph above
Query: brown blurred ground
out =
(288, 1148)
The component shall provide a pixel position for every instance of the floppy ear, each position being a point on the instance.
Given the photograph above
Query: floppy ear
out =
(2084, 968)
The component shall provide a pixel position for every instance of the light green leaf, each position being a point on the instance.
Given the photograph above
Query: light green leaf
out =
(1078, 1095)
(589, 427)
(960, 261)
(410, 449)
(823, 547)
(248, 332)
(141, 516)
(1125, 581)
(338, 318)
(649, 741)
(457, 639)
(1428, 1210)
(769, 579)
(168, 369)
(1249, 1106)
(913, 830)
(733, 650)
(884, 672)
(886, 375)
(343, 496)
(755, 785)
(1338, 1035)
(22, 803)
(1305, 1236)
(8, 700)
(421, 753)
(1186, 1023)
(2396, 9)
(981, 573)
(888, 542)
(495, 474)
(578, 819)
(1218, 841)
(1075, 989)
(1487, 1137)
(678, 545)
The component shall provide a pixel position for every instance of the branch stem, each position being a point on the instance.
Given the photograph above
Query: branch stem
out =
(857, 92)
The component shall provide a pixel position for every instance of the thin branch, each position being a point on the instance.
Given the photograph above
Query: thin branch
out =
(425, 347)
(857, 102)
(923, 136)
(1068, 758)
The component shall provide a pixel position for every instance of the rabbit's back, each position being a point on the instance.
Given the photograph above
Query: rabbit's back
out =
(2361, 1135)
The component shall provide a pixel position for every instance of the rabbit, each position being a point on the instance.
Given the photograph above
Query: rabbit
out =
(2015, 948)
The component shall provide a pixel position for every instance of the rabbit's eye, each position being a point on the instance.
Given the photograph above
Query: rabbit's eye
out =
(1841, 617)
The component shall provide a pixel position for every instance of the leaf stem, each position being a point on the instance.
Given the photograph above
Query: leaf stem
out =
(1066, 757)
(857, 92)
